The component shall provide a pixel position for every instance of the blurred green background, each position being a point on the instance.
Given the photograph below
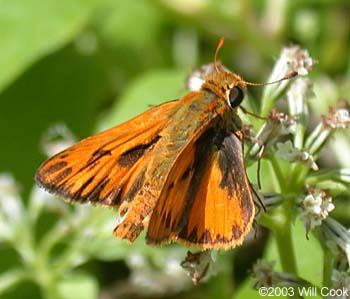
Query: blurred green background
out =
(91, 64)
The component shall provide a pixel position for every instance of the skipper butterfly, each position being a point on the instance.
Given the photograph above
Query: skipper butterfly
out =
(177, 168)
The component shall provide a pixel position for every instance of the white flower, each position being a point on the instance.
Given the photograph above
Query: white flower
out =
(314, 208)
(338, 118)
(197, 77)
(341, 281)
(277, 125)
(40, 199)
(263, 275)
(196, 265)
(160, 275)
(11, 207)
(290, 153)
(297, 96)
(294, 59)
(194, 83)
(308, 159)
(56, 139)
(287, 151)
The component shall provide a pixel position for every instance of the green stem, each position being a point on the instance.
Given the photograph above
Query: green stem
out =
(285, 247)
(327, 267)
(49, 288)
(298, 175)
(222, 286)
(70, 255)
(279, 221)
(24, 241)
(52, 238)
(278, 174)
(45, 276)
(11, 278)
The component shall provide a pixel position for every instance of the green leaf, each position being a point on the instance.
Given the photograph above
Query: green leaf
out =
(246, 292)
(32, 29)
(119, 26)
(152, 88)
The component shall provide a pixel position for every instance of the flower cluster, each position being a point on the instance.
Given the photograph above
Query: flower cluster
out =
(197, 265)
(341, 281)
(290, 153)
(338, 118)
(314, 208)
(292, 59)
(263, 275)
(286, 136)
(276, 126)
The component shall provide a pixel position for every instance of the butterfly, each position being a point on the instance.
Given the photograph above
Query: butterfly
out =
(176, 169)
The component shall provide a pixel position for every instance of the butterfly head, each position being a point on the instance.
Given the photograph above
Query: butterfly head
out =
(228, 86)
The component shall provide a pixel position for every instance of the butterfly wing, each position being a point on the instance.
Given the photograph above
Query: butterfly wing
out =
(98, 168)
(196, 112)
(207, 201)
(127, 166)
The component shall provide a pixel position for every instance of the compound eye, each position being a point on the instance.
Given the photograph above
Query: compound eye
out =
(235, 97)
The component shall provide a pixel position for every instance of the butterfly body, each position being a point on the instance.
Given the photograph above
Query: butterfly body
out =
(177, 169)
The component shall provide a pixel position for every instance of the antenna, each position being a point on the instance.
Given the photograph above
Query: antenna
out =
(289, 75)
(218, 47)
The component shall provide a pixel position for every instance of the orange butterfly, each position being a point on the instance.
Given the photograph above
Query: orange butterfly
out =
(177, 169)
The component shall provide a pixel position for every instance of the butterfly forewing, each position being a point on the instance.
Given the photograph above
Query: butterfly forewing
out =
(96, 168)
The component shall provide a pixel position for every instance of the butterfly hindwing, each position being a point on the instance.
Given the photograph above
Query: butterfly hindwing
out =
(214, 204)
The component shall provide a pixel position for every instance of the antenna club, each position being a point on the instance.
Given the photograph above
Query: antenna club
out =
(291, 74)
(287, 76)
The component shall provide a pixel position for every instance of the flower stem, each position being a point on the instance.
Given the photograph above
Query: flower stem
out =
(327, 267)
(12, 277)
(285, 247)
(279, 221)
(278, 174)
